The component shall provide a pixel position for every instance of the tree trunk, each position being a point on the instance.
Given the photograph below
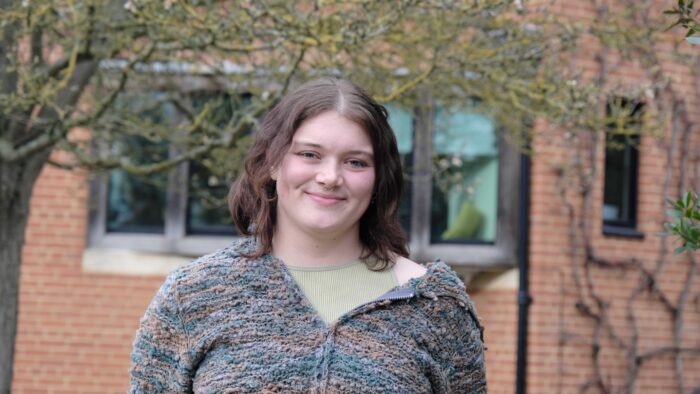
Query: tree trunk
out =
(16, 183)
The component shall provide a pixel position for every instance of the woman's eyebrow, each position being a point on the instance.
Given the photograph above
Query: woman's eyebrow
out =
(303, 144)
(361, 153)
(306, 144)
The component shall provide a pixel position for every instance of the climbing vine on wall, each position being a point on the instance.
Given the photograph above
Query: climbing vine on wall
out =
(626, 35)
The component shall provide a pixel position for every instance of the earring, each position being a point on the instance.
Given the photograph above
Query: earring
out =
(271, 191)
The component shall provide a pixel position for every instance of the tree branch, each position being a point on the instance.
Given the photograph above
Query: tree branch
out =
(407, 86)
(102, 106)
(46, 130)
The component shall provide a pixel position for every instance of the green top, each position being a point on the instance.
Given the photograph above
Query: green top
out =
(336, 290)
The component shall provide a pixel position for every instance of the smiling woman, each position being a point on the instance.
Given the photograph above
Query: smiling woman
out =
(324, 186)
(321, 295)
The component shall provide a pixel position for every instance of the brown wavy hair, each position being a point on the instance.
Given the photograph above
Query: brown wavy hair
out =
(252, 198)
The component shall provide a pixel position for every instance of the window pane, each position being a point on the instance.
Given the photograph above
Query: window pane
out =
(621, 155)
(619, 191)
(207, 206)
(402, 123)
(137, 203)
(465, 178)
(207, 202)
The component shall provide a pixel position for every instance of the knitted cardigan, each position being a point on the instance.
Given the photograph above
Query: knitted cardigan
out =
(227, 323)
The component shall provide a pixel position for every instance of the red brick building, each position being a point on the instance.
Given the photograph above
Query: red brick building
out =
(611, 305)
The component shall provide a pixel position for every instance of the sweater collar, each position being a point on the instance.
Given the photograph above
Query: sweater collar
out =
(438, 281)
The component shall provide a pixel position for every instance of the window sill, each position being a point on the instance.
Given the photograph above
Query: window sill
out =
(159, 244)
(130, 262)
(625, 232)
(502, 279)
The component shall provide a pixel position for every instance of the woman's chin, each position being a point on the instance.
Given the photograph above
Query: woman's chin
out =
(327, 229)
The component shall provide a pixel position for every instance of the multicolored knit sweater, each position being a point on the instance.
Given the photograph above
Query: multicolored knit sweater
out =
(227, 323)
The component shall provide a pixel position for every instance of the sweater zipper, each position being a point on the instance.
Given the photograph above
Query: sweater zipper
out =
(395, 295)
(400, 294)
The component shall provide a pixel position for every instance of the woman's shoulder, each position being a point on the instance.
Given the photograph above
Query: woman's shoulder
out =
(407, 269)
(436, 281)
(442, 298)
(224, 264)
(218, 259)
(219, 281)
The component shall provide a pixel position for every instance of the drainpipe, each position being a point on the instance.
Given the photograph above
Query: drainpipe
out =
(524, 298)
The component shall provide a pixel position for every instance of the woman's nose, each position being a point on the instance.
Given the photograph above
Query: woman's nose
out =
(329, 175)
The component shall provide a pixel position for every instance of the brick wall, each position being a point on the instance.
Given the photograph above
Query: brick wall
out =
(561, 337)
(498, 311)
(75, 328)
(560, 351)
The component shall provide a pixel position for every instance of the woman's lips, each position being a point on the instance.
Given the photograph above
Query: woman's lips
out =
(324, 199)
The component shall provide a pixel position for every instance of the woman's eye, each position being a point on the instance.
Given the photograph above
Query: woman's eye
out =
(357, 163)
(308, 155)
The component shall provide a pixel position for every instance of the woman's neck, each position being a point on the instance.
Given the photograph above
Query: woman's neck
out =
(304, 250)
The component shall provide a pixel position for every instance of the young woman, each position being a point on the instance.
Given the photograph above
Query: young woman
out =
(320, 295)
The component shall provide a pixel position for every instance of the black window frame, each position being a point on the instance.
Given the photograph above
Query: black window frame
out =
(630, 155)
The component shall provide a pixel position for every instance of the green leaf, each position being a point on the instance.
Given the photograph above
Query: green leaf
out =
(688, 212)
(688, 196)
(694, 235)
(679, 250)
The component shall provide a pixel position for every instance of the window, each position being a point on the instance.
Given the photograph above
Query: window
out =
(621, 168)
(183, 211)
(460, 199)
(465, 178)
(461, 179)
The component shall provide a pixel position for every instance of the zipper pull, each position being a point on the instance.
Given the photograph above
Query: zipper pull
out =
(400, 294)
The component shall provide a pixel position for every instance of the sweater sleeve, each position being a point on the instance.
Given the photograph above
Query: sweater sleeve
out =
(468, 372)
(159, 359)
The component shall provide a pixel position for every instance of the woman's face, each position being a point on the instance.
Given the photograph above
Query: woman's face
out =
(326, 179)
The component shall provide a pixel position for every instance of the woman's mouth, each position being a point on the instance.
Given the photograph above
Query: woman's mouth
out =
(325, 199)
